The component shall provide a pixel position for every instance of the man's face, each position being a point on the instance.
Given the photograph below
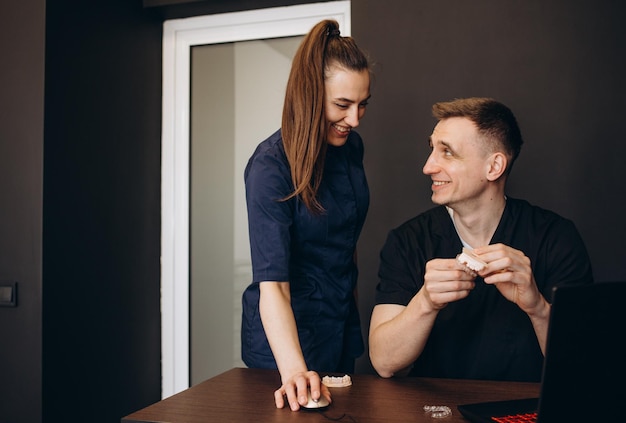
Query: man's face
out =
(458, 163)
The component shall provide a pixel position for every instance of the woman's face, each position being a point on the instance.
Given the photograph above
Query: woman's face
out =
(346, 96)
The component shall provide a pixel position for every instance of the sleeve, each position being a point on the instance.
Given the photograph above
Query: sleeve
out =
(400, 272)
(566, 259)
(268, 181)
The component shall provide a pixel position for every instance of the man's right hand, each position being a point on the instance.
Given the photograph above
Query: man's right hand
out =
(445, 281)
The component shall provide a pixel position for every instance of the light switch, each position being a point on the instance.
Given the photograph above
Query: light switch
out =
(8, 294)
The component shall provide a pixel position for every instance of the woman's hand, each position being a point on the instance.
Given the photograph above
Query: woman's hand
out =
(296, 388)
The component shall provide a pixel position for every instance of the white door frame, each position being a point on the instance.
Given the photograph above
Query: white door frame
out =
(179, 36)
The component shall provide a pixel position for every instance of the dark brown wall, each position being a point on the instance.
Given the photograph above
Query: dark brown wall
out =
(80, 209)
(21, 206)
(559, 65)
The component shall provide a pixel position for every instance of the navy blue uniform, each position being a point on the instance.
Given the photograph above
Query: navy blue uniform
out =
(314, 253)
(483, 336)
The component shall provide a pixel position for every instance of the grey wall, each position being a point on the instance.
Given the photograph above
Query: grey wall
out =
(559, 65)
(211, 217)
(237, 91)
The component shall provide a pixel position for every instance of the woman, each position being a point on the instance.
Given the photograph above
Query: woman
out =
(307, 199)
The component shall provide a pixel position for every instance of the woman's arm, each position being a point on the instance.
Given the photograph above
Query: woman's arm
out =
(280, 328)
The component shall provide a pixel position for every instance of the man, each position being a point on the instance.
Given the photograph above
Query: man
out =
(434, 316)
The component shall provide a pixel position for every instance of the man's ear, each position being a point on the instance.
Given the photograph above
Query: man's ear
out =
(497, 166)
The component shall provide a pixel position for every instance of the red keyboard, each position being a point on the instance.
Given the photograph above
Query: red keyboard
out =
(517, 418)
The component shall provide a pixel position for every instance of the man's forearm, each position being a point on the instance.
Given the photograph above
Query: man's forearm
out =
(398, 335)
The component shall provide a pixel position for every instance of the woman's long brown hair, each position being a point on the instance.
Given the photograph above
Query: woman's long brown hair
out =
(303, 125)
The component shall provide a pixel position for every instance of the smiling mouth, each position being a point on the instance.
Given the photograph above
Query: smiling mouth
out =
(440, 183)
(341, 129)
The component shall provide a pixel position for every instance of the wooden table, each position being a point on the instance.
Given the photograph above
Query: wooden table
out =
(246, 395)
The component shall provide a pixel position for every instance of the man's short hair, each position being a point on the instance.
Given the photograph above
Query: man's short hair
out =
(494, 121)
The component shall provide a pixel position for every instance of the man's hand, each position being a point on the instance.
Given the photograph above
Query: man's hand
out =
(445, 281)
(510, 271)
